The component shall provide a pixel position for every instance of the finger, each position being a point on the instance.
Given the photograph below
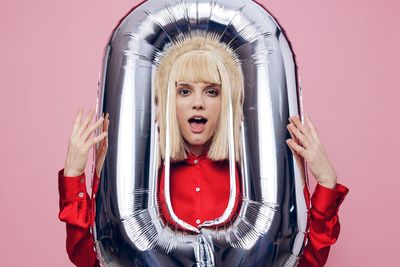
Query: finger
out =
(104, 142)
(86, 122)
(298, 143)
(313, 131)
(101, 149)
(303, 128)
(102, 125)
(291, 134)
(299, 159)
(89, 143)
(105, 126)
(297, 133)
(107, 123)
(293, 137)
(296, 121)
(291, 149)
(93, 127)
(77, 120)
(299, 149)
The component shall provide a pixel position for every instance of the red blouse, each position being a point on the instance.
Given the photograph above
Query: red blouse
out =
(195, 197)
(203, 186)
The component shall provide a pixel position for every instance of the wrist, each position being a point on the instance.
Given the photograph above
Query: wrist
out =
(71, 173)
(330, 185)
(327, 180)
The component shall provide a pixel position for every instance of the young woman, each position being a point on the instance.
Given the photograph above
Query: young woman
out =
(199, 81)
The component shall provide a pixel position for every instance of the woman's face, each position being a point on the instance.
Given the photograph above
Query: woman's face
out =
(198, 106)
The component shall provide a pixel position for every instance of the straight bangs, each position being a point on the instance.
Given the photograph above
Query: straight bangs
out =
(198, 66)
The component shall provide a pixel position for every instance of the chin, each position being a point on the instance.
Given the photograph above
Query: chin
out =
(196, 142)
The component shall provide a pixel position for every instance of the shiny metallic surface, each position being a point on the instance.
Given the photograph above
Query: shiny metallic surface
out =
(270, 227)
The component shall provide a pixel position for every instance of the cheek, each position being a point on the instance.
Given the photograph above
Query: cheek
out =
(215, 112)
(181, 105)
(181, 117)
(216, 107)
(181, 120)
(179, 109)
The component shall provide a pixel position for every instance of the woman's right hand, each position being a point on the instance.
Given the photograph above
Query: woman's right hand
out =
(80, 142)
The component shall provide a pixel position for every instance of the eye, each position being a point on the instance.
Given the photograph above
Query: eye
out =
(212, 92)
(183, 91)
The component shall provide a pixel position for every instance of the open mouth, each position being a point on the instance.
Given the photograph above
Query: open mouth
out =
(197, 124)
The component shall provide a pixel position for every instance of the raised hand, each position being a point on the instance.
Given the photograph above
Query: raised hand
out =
(80, 142)
(305, 144)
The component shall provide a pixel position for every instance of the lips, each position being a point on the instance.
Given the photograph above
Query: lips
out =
(197, 123)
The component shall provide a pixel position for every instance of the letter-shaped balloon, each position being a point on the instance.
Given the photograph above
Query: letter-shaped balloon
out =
(270, 227)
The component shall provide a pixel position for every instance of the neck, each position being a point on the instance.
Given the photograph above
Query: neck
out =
(198, 150)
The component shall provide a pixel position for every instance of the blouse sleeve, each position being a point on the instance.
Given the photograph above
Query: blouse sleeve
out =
(324, 224)
(75, 211)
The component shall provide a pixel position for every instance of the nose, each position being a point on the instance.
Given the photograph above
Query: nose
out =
(198, 101)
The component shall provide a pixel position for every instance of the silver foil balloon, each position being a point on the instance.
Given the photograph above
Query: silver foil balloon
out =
(270, 227)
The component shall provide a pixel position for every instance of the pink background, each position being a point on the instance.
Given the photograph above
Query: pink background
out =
(348, 54)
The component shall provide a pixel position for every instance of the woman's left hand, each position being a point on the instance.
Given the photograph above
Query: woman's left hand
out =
(306, 144)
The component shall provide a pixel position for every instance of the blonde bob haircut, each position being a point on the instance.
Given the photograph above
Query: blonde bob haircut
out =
(199, 59)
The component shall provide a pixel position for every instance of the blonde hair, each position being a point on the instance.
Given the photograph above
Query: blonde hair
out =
(200, 60)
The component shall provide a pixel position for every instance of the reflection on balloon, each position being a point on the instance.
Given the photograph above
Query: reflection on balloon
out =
(270, 227)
